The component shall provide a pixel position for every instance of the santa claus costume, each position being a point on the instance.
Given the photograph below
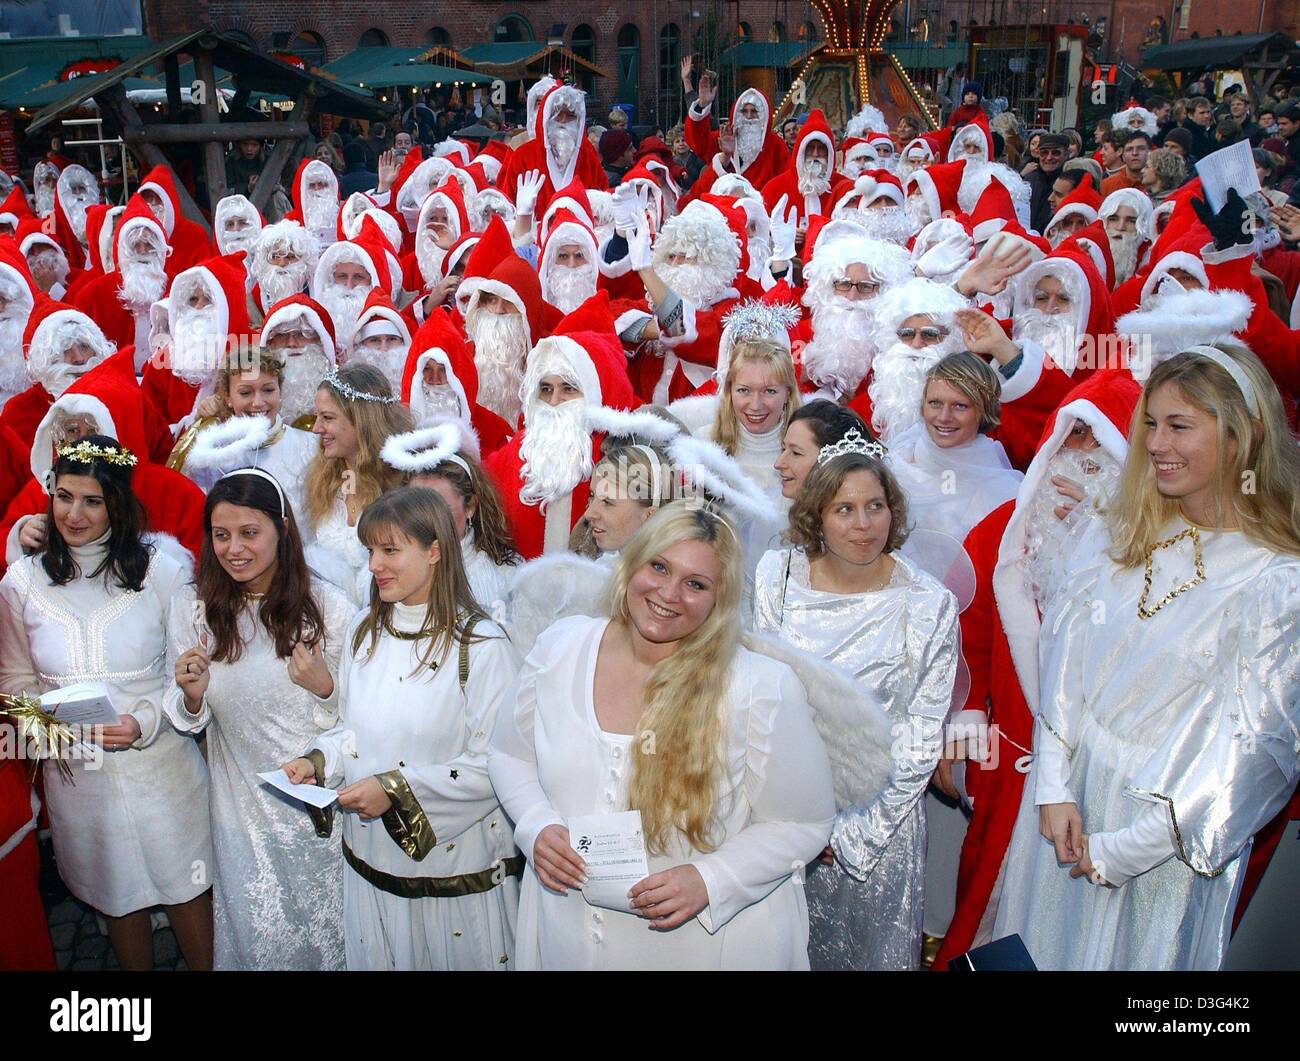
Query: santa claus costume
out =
(560, 151)
(189, 242)
(280, 264)
(810, 186)
(382, 338)
(18, 294)
(344, 302)
(301, 330)
(315, 191)
(236, 224)
(760, 153)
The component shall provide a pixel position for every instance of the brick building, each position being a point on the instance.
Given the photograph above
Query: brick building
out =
(639, 44)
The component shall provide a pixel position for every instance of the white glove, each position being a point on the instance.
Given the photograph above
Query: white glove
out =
(946, 256)
(627, 205)
(783, 230)
(638, 247)
(527, 188)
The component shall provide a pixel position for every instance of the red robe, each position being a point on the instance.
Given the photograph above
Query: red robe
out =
(24, 933)
(167, 392)
(527, 523)
(772, 159)
(98, 300)
(588, 172)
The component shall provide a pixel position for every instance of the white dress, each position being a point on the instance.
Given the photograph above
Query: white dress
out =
(1176, 736)
(337, 555)
(551, 761)
(901, 643)
(132, 831)
(487, 579)
(428, 742)
(277, 886)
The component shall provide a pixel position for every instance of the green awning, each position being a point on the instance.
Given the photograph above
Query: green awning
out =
(52, 91)
(769, 54)
(377, 67)
(1208, 52)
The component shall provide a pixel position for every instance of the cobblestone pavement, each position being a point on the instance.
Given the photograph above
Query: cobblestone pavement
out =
(79, 939)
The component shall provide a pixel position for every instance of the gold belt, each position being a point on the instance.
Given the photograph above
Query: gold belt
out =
(484, 880)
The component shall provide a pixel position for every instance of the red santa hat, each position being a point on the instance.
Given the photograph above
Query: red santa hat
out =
(410, 163)
(159, 181)
(977, 130)
(494, 266)
(138, 216)
(993, 211)
(1183, 318)
(938, 186)
(99, 236)
(584, 344)
(573, 198)
(380, 317)
(875, 183)
(736, 219)
(1184, 254)
(458, 150)
(566, 229)
(62, 229)
(31, 235)
(46, 316)
(1105, 401)
(462, 248)
(859, 147)
(920, 148)
(1137, 200)
(439, 341)
(815, 129)
(224, 280)
(14, 210)
(1089, 296)
(1093, 241)
(1085, 201)
(881, 141)
(299, 186)
(13, 267)
(300, 308)
(370, 250)
(451, 198)
(559, 95)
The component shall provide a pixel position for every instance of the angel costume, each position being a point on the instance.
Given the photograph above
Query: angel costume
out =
(277, 889)
(1170, 700)
(951, 490)
(487, 579)
(337, 555)
(433, 883)
(131, 829)
(551, 760)
(901, 643)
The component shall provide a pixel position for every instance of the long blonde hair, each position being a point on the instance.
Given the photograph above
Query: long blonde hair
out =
(776, 359)
(677, 750)
(1267, 459)
(420, 516)
(374, 422)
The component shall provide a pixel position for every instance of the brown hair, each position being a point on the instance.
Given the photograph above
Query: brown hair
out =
(491, 528)
(974, 378)
(819, 490)
(264, 359)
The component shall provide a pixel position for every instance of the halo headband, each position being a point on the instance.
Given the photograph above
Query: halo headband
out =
(262, 475)
(352, 394)
(1239, 377)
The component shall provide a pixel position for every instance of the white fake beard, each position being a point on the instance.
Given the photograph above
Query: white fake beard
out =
(143, 283)
(59, 376)
(556, 451)
(276, 282)
(302, 375)
(693, 283)
(429, 257)
(853, 168)
(500, 349)
(1124, 253)
(390, 362)
(11, 347)
(892, 224)
(44, 200)
(1098, 474)
(195, 345)
(1053, 332)
(441, 402)
(320, 214)
(76, 212)
(560, 145)
(481, 216)
(918, 211)
(1058, 235)
(240, 240)
(760, 253)
(897, 386)
(813, 178)
(840, 354)
(567, 289)
(343, 304)
(750, 135)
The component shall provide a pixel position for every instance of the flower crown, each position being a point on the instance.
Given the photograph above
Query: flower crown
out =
(852, 442)
(84, 452)
(352, 394)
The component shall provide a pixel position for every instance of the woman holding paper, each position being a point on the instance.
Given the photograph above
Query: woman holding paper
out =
(658, 710)
(431, 878)
(130, 825)
(254, 645)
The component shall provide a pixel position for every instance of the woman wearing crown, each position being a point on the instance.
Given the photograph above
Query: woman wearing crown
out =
(1169, 690)
(844, 594)
(128, 805)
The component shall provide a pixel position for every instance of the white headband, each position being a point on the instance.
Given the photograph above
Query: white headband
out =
(1239, 377)
(378, 326)
(262, 475)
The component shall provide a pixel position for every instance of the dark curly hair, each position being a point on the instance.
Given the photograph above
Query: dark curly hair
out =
(820, 488)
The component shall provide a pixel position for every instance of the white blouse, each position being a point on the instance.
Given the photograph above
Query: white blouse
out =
(551, 761)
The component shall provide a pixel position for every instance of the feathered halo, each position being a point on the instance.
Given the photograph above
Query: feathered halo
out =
(707, 466)
(624, 423)
(221, 444)
(754, 320)
(423, 449)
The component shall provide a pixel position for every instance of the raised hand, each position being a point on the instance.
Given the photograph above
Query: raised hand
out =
(784, 227)
(388, 167)
(527, 188)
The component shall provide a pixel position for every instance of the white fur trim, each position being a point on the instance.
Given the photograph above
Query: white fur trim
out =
(566, 349)
(439, 355)
(624, 423)
(42, 458)
(169, 211)
(496, 287)
(220, 444)
(695, 410)
(1026, 376)
(1189, 263)
(629, 317)
(1085, 211)
(423, 449)
(707, 465)
(335, 253)
(1189, 318)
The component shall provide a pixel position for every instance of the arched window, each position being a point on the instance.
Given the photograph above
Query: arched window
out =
(240, 36)
(373, 38)
(583, 42)
(670, 84)
(513, 28)
(777, 33)
(438, 38)
(309, 47)
(629, 62)
(743, 32)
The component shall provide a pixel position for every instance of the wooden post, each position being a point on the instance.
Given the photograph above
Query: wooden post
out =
(242, 91)
(115, 100)
(214, 155)
(172, 67)
(270, 175)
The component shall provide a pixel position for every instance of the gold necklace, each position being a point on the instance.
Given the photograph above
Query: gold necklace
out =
(1191, 532)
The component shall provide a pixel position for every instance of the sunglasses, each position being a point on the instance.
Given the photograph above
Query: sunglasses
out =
(929, 334)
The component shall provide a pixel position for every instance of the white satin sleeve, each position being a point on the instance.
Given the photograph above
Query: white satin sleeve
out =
(181, 637)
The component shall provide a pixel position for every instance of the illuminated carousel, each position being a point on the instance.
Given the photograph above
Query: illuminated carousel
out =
(851, 69)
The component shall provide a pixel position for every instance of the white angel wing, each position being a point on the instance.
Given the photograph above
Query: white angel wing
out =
(546, 590)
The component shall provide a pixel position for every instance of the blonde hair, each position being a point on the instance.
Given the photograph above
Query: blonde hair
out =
(263, 360)
(975, 379)
(677, 752)
(422, 517)
(776, 359)
(374, 422)
(1267, 458)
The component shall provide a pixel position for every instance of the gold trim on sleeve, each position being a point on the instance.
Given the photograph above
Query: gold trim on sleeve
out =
(405, 820)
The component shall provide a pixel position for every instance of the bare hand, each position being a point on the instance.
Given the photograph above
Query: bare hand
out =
(942, 779)
(33, 533)
(993, 269)
(300, 771)
(707, 91)
(387, 172)
(1086, 869)
(1066, 488)
(670, 898)
(687, 65)
(119, 737)
(193, 676)
(983, 335)
(367, 797)
(308, 670)
(211, 407)
(557, 864)
(1287, 219)
(441, 293)
(1061, 824)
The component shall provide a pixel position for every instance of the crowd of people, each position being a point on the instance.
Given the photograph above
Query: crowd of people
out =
(901, 528)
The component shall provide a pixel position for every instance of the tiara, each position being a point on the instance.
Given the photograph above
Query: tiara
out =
(754, 320)
(352, 394)
(84, 452)
(852, 442)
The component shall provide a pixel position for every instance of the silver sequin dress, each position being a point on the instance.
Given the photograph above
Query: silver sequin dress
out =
(901, 642)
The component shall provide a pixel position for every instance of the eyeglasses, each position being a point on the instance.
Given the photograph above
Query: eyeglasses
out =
(1050, 152)
(863, 287)
(928, 334)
